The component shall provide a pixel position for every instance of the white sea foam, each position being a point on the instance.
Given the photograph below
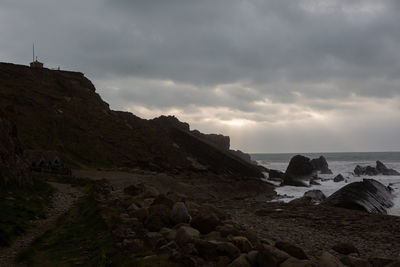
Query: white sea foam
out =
(328, 187)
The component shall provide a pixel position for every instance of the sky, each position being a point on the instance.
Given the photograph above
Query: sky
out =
(274, 75)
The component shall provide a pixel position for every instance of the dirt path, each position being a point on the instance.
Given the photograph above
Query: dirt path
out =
(63, 199)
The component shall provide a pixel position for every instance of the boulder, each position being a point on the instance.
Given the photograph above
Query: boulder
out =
(345, 248)
(315, 195)
(242, 243)
(292, 262)
(227, 229)
(275, 174)
(141, 214)
(252, 236)
(383, 261)
(291, 249)
(368, 170)
(179, 213)
(380, 169)
(132, 208)
(299, 172)
(338, 178)
(301, 201)
(368, 195)
(227, 249)
(223, 261)
(170, 247)
(271, 256)
(320, 164)
(152, 238)
(206, 249)
(135, 245)
(384, 170)
(134, 189)
(186, 234)
(240, 261)
(213, 236)
(328, 260)
(159, 217)
(309, 198)
(266, 259)
(206, 222)
(167, 233)
(162, 200)
(355, 261)
(150, 191)
(252, 257)
(313, 181)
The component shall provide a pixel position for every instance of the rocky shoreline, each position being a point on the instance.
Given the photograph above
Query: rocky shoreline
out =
(237, 227)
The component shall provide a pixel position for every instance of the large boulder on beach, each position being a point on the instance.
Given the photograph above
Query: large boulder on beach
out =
(299, 172)
(338, 178)
(310, 197)
(320, 164)
(316, 195)
(368, 195)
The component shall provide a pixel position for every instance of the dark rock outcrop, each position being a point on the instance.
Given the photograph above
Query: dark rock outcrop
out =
(320, 164)
(13, 168)
(309, 198)
(315, 195)
(275, 174)
(368, 195)
(368, 170)
(244, 156)
(299, 171)
(338, 178)
(302, 171)
(292, 250)
(345, 248)
(380, 169)
(221, 141)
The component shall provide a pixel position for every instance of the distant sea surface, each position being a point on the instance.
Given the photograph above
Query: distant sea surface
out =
(343, 163)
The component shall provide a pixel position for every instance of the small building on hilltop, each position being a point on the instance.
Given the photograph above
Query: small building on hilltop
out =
(36, 64)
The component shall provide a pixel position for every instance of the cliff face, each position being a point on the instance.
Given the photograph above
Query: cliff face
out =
(60, 111)
(13, 169)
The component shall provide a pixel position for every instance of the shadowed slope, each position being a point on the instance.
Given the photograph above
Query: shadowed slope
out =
(59, 110)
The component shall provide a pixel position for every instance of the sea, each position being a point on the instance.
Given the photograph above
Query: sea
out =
(340, 163)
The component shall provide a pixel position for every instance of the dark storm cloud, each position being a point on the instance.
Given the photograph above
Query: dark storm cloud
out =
(217, 42)
(262, 41)
(261, 61)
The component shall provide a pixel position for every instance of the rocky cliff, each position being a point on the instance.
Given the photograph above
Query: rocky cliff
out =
(61, 111)
(13, 169)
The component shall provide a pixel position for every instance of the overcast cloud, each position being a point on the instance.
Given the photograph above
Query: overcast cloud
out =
(276, 75)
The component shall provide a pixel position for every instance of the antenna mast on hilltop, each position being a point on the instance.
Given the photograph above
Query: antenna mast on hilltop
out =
(35, 63)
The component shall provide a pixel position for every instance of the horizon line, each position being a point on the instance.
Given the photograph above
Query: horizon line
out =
(323, 152)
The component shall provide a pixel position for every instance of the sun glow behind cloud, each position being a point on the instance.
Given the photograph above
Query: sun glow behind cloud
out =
(276, 125)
